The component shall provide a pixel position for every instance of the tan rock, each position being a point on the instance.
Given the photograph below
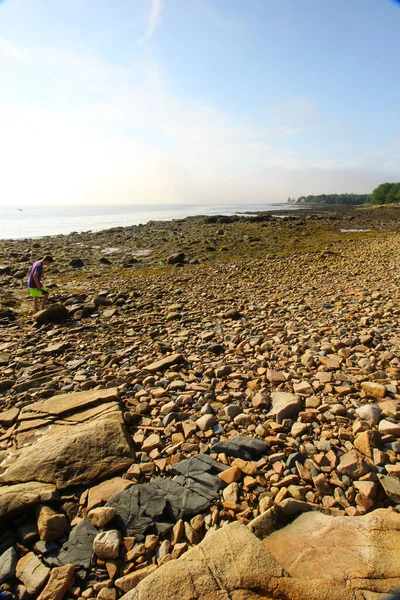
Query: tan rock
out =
(377, 390)
(366, 442)
(228, 561)
(83, 454)
(230, 475)
(130, 581)
(60, 582)
(340, 549)
(101, 516)
(103, 491)
(51, 525)
(73, 402)
(32, 572)
(388, 428)
(15, 499)
(168, 361)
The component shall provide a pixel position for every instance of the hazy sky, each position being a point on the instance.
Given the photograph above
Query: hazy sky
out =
(196, 101)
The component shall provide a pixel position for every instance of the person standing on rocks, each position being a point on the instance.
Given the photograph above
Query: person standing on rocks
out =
(36, 288)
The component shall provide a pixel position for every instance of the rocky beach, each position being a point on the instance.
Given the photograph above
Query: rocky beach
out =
(207, 410)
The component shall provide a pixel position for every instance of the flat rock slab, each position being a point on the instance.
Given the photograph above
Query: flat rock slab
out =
(243, 447)
(162, 502)
(16, 499)
(83, 454)
(104, 491)
(8, 417)
(67, 403)
(168, 361)
(317, 546)
(78, 550)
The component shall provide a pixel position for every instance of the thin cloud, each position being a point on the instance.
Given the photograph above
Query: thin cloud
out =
(154, 20)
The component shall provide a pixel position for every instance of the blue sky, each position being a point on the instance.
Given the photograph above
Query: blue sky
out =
(196, 101)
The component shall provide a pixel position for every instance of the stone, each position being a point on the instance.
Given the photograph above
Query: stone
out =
(130, 581)
(261, 400)
(391, 486)
(206, 422)
(231, 492)
(164, 363)
(163, 501)
(210, 570)
(246, 448)
(76, 263)
(367, 441)
(388, 428)
(60, 582)
(51, 525)
(8, 563)
(52, 314)
(230, 475)
(106, 544)
(104, 491)
(341, 549)
(371, 388)
(284, 406)
(298, 429)
(78, 549)
(8, 417)
(366, 488)
(101, 516)
(32, 572)
(81, 455)
(353, 465)
(64, 404)
(16, 499)
(152, 442)
(369, 413)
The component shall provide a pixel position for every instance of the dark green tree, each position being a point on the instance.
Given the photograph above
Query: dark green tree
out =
(380, 194)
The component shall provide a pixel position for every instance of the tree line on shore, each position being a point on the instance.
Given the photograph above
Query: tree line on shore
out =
(385, 193)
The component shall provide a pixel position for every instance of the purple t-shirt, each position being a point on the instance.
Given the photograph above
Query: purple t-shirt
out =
(37, 267)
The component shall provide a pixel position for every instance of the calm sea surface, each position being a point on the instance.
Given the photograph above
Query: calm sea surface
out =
(16, 224)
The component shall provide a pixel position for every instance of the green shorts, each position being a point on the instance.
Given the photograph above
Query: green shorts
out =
(35, 293)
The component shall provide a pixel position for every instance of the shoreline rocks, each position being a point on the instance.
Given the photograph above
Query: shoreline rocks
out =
(172, 404)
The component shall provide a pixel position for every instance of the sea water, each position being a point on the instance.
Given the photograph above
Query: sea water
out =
(18, 224)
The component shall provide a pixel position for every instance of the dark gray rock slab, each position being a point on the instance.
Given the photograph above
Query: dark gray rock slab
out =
(78, 550)
(8, 562)
(244, 447)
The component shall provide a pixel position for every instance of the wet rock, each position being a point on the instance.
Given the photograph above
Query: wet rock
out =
(76, 263)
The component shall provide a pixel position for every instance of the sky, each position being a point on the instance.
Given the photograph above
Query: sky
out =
(196, 101)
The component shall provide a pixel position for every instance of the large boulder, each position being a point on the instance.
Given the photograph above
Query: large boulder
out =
(80, 455)
(317, 557)
(231, 560)
(17, 499)
(359, 553)
(51, 314)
